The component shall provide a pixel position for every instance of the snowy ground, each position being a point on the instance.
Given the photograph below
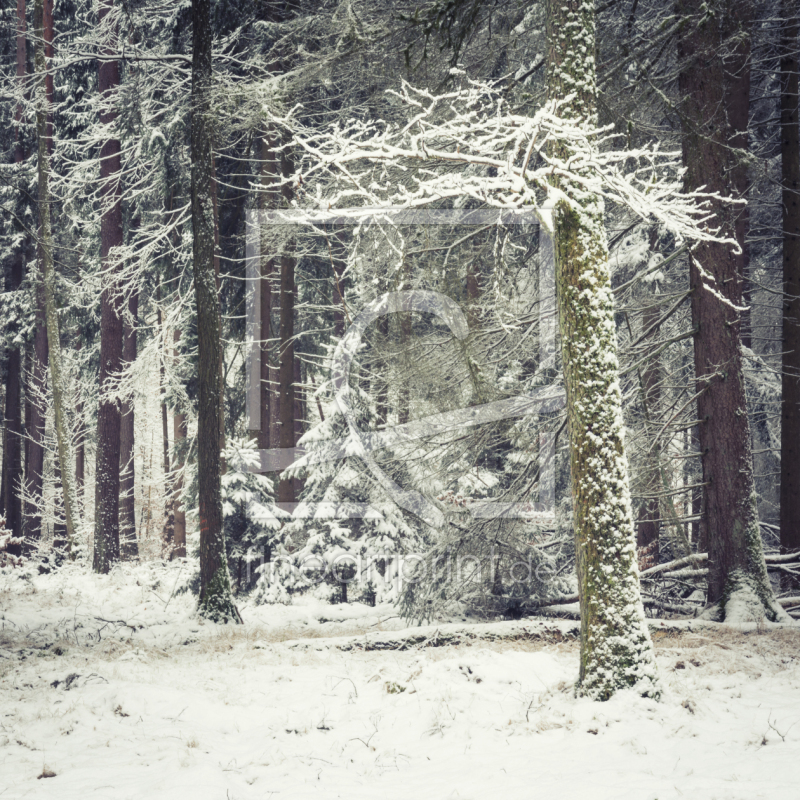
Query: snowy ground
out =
(179, 709)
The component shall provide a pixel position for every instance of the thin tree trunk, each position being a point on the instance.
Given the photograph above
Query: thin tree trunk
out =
(107, 477)
(128, 545)
(169, 504)
(216, 600)
(270, 168)
(649, 519)
(34, 463)
(729, 528)
(80, 443)
(36, 394)
(286, 366)
(299, 417)
(57, 378)
(790, 174)
(616, 650)
(179, 432)
(215, 205)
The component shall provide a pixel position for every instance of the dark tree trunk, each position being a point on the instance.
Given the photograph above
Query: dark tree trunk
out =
(128, 546)
(286, 366)
(107, 477)
(168, 536)
(299, 416)
(216, 601)
(649, 518)
(729, 527)
(12, 450)
(270, 195)
(790, 174)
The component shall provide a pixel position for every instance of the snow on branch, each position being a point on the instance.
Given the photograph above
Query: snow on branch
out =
(468, 143)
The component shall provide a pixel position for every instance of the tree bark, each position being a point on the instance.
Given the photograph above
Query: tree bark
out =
(80, 443)
(729, 528)
(616, 650)
(107, 474)
(649, 518)
(12, 450)
(179, 432)
(34, 462)
(168, 536)
(63, 433)
(270, 196)
(128, 545)
(286, 487)
(790, 381)
(216, 600)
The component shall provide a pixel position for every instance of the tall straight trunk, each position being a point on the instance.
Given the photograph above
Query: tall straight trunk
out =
(737, 105)
(34, 463)
(299, 417)
(790, 174)
(12, 451)
(107, 483)
(57, 378)
(215, 206)
(738, 584)
(649, 519)
(269, 199)
(37, 393)
(286, 487)
(168, 536)
(128, 546)
(616, 650)
(287, 408)
(179, 433)
(216, 600)
(80, 443)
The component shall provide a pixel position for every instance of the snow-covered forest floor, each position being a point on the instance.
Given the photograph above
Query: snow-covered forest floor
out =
(110, 688)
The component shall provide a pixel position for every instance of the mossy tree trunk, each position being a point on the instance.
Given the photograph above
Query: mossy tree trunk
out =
(216, 599)
(738, 585)
(616, 651)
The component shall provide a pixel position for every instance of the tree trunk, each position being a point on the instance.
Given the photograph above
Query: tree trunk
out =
(790, 174)
(12, 450)
(63, 433)
(168, 536)
(34, 462)
(216, 600)
(179, 431)
(737, 573)
(616, 650)
(270, 194)
(649, 518)
(37, 393)
(128, 546)
(107, 477)
(80, 443)
(286, 486)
